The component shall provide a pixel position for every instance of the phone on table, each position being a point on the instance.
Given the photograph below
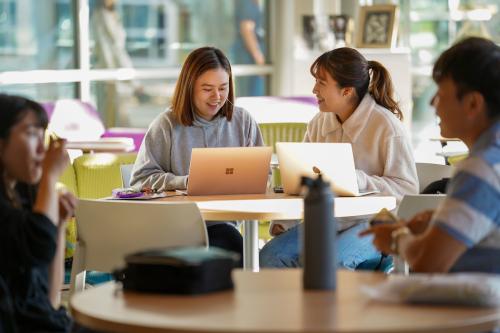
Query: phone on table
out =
(278, 189)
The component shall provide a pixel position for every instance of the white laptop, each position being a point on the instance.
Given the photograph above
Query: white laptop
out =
(334, 161)
(229, 170)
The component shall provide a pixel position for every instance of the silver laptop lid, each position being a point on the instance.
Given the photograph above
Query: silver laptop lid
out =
(229, 170)
(333, 160)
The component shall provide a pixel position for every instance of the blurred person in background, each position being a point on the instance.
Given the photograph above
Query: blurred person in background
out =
(111, 52)
(248, 47)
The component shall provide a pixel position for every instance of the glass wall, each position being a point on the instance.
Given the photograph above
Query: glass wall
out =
(136, 48)
(42, 91)
(434, 26)
(36, 35)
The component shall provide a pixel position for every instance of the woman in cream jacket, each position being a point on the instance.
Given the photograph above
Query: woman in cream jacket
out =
(355, 99)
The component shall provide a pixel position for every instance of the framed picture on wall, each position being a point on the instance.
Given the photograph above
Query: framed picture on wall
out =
(310, 31)
(340, 26)
(377, 26)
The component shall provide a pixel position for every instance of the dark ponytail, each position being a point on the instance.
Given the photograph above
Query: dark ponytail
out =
(350, 69)
(381, 88)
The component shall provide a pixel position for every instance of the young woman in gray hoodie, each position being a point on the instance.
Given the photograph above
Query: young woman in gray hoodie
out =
(202, 114)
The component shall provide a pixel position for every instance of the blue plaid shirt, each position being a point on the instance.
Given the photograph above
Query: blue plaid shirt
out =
(471, 211)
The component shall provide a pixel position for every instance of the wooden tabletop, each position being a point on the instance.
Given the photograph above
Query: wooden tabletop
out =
(272, 301)
(278, 206)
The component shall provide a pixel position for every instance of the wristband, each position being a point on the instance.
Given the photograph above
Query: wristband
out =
(395, 235)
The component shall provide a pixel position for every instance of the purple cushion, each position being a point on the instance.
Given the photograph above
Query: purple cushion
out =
(137, 134)
(301, 99)
(89, 108)
(49, 108)
(74, 120)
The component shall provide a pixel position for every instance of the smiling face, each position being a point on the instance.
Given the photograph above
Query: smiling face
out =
(210, 92)
(22, 153)
(331, 97)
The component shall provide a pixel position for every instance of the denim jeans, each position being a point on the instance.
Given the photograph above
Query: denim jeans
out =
(351, 250)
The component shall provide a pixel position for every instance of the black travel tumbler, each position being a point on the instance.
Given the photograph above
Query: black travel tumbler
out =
(320, 231)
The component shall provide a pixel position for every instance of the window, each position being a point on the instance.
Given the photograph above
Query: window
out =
(36, 35)
(137, 46)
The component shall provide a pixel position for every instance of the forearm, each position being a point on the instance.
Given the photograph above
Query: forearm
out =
(387, 185)
(46, 202)
(161, 181)
(410, 250)
(251, 43)
(419, 224)
(433, 252)
(56, 270)
(397, 176)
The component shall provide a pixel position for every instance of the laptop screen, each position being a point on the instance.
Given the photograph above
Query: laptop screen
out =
(333, 160)
(229, 170)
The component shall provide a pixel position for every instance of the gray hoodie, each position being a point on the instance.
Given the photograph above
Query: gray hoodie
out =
(163, 159)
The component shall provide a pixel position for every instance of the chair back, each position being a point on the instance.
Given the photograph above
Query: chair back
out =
(282, 132)
(110, 229)
(126, 172)
(409, 206)
(413, 204)
(98, 174)
(429, 172)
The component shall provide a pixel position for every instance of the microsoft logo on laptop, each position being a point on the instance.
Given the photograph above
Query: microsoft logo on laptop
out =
(229, 171)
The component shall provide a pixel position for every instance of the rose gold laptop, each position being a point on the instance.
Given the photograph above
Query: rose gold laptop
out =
(229, 170)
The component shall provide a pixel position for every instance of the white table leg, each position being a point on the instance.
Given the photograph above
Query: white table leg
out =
(251, 245)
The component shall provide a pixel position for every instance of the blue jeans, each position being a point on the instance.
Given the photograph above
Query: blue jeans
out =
(352, 250)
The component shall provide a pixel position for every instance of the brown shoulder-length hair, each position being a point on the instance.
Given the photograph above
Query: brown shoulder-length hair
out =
(198, 62)
(350, 69)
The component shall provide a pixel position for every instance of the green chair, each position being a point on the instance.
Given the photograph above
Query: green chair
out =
(98, 174)
(282, 132)
(68, 182)
(92, 176)
(453, 160)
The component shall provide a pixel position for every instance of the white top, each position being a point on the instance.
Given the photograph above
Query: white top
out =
(382, 150)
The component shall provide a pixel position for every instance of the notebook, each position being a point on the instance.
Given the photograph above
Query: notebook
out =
(229, 170)
(334, 161)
